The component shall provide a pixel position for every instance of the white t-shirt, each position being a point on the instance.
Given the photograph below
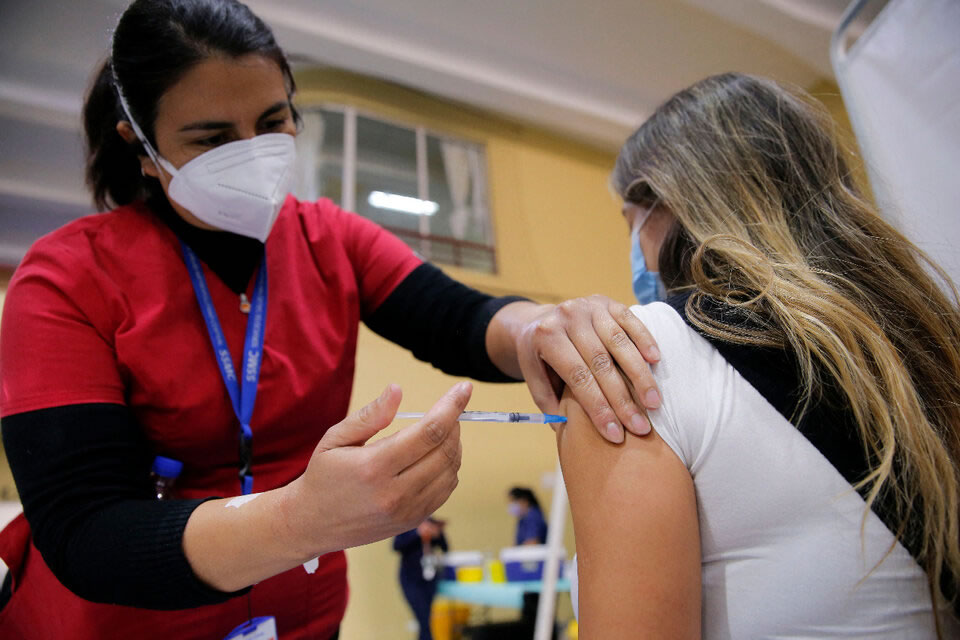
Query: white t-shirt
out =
(780, 537)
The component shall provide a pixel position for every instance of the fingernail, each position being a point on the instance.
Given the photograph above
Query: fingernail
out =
(614, 433)
(641, 426)
(653, 353)
(651, 399)
(463, 387)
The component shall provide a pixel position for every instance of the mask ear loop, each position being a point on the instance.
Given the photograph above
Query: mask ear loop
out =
(158, 162)
(646, 215)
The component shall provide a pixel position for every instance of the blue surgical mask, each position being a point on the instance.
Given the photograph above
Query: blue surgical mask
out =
(646, 284)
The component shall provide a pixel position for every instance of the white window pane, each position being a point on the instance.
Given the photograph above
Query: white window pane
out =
(387, 168)
(438, 206)
(331, 157)
(320, 155)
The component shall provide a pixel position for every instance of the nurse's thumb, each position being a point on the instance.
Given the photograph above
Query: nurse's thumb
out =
(360, 426)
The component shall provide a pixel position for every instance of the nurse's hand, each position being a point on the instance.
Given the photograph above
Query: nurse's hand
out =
(577, 344)
(354, 492)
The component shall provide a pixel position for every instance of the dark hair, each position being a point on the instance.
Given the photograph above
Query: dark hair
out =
(523, 493)
(154, 44)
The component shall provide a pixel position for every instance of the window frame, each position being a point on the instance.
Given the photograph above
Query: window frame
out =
(348, 181)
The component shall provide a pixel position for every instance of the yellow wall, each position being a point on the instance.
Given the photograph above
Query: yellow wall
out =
(559, 234)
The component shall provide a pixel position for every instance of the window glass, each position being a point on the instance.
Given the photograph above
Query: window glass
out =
(387, 175)
(460, 230)
(320, 156)
(443, 215)
(331, 156)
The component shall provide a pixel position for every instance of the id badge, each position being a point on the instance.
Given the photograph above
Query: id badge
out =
(260, 628)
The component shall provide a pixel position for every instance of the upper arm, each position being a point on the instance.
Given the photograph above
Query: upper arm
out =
(449, 331)
(82, 474)
(380, 259)
(637, 534)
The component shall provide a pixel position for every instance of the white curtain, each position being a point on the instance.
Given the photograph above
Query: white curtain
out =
(901, 85)
(456, 167)
(309, 156)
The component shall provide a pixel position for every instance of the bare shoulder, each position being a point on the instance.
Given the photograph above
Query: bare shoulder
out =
(581, 446)
(637, 535)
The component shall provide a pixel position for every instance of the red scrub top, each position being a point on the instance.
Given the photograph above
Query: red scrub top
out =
(103, 310)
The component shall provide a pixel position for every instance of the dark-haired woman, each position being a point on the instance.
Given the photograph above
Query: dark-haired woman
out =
(531, 529)
(212, 319)
(531, 526)
(802, 477)
(420, 556)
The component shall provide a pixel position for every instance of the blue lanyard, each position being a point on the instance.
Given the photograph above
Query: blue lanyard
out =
(243, 395)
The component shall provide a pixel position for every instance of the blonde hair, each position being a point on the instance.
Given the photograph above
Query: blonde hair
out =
(772, 232)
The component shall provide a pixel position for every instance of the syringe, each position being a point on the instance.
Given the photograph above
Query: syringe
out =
(494, 416)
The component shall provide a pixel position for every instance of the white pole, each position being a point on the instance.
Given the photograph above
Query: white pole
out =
(548, 595)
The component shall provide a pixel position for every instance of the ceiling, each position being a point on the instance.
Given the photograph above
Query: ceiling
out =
(589, 70)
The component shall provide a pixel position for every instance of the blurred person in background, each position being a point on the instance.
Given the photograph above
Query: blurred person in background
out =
(420, 565)
(531, 526)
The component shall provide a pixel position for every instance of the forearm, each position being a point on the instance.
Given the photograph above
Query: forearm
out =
(443, 322)
(233, 543)
(82, 474)
(503, 331)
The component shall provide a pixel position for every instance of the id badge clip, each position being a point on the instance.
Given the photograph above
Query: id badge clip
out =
(260, 628)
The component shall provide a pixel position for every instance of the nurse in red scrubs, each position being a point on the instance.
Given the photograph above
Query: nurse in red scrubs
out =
(209, 317)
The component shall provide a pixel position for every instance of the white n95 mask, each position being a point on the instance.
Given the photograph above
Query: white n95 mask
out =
(239, 186)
